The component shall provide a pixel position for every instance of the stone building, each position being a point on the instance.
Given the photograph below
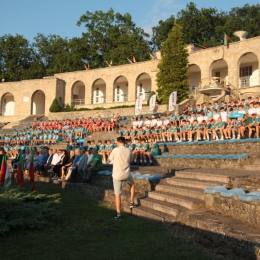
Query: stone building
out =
(209, 70)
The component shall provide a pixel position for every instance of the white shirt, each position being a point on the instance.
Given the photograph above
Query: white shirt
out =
(257, 111)
(166, 122)
(154, 122)
(216, 116)
(140, 123)
(147, 122)
(135, 124)
(90, 158)
(159, 123)
(223, 116)
(200, 119)
(55, 159)
(251, 111)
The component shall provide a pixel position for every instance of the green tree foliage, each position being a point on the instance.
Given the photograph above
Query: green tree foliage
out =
(18, 59)
(246, 18)
(209, 24)
(199, 24)
(160, 32)
(173, 67)
(113, 36)
(55, 107)
(60, 54)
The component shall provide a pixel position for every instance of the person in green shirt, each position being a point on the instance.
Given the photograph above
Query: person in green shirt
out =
(95, 166)
(253, 127)
(196, 129)
(144, 148)
(136, 151)
(153, 150)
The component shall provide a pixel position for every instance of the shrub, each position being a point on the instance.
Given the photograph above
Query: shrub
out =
(68, 108)
(26, 211)
(55, 107)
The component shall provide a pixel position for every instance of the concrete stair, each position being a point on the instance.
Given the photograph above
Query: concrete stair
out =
(160, 206)
(191, 183)
(197, 175)
(181, 191)
(182, 201)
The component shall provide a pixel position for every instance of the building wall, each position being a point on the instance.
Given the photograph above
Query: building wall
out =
(61, 85)
(23, 94)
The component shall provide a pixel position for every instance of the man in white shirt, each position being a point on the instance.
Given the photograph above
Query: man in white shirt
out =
(159, 121)
(135, 124)
(199, 118)
(121, 157)
(166, 121)
(223, 114)
(251, 109)
(154, 122)
(140, 122)
(216, 116)
(257, 109)
(147, 122)
(55, 160)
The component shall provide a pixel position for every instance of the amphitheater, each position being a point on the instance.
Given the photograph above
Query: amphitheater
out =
(178, 189)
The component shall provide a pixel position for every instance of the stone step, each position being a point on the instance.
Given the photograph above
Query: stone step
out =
(191, 183)
(252, 167)
(228, 164)
(145, 212)
(161, 206)
(162, 170)
(203, 176)
(216, 148)
(183, 191)
(185, 202)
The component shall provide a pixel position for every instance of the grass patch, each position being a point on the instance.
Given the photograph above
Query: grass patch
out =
(86, 230)
(21, 210)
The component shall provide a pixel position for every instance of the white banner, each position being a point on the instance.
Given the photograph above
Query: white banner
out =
(138, 104)
(152, 103)
(172, 101)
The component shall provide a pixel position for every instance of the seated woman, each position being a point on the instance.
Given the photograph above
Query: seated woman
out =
(67, 165)
(63, 161)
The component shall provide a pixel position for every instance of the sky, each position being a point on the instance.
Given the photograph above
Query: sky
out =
(29, 17)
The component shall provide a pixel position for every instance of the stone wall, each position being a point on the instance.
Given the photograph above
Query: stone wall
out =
(103, 113)
(235, 208)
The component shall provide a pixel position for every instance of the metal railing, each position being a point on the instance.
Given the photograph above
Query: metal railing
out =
(100, 101)
(78, 101)
(247, 82)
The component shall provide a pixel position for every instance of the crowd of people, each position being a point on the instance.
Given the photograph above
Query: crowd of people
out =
(233, 120)
(53, 132)
(236, 119)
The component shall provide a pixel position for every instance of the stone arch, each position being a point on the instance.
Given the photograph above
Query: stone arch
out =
(78, 93)
(143, 85)
(38, 103)
(194, 78)
(120, 93)
(218, 73)
(248, 69)
(7, 104)
(98, 91)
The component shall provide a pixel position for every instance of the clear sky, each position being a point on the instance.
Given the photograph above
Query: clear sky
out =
(29, 17)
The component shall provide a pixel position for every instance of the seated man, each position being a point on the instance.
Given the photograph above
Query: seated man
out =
(153, 150)
(95, 166)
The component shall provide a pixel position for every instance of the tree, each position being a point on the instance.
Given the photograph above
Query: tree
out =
(55, 107)
(199, 24)
(246, 18)
(18, 59)
(173, 67)
(161, 31)
(113, 36)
